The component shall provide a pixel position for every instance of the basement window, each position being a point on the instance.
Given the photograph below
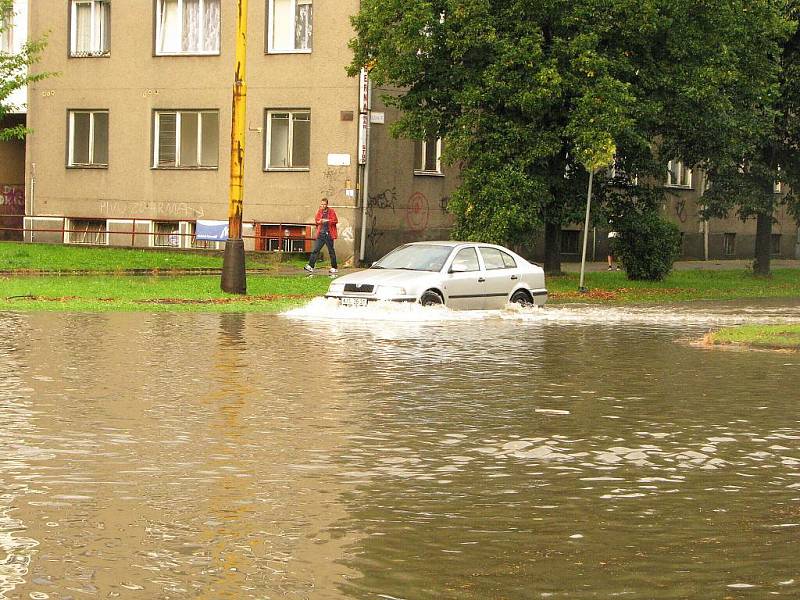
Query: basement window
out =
(166, 234)
(729, 244)
(85, 231)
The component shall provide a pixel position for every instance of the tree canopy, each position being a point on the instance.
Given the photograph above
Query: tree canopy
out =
(531, 95)
(767, 175)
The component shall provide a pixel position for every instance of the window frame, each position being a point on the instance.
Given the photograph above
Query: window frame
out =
(466, 249)
(267, 145)
(419, 169)
(157, 32)
(156, 126)
(269, 34)
(98, 39)
(682, 172)
(729, 244)
(503, 256)
(71, 164)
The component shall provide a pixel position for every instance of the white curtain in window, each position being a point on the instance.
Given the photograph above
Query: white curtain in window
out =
(190, 35)
(211, 26)
(169, 27)
(303, 25)
(83, 28)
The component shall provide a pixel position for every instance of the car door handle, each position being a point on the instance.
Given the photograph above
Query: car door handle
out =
(514, 277)
(481, 279)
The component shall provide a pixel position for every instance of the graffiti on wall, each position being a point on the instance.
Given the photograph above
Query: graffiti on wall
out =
(387, 199)
(12, 199)
(418, 212)
(111, 208)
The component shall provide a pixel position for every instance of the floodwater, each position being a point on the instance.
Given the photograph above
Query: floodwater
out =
(398, 452)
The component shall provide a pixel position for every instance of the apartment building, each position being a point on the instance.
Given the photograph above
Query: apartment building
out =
(13, 33)
(131, 140)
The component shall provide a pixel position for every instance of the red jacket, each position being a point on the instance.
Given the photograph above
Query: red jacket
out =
(332, 221)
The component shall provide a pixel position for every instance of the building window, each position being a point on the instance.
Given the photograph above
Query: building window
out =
(729, 244)
(187, 139)
(90, 28)
(288, 139)
(428, 156)
(84, 231)
(569, 241)
(187, 27)
(6, 31)
(289, 25)
(775, 244)
(166, 234)
(88, 138)
(678, 175)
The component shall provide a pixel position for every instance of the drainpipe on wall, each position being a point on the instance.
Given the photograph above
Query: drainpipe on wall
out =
(31, 201)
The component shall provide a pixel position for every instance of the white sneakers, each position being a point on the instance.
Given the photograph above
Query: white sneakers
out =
(333, 271)
(308, 268)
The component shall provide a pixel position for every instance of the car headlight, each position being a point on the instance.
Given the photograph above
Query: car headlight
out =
(389, 291)
(336, 288)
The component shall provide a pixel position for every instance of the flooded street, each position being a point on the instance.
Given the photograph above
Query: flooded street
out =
(569, 452)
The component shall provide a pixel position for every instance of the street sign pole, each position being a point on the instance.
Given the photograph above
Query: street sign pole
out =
(233, 270)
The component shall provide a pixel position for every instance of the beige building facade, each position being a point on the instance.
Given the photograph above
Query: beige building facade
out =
(131, 138)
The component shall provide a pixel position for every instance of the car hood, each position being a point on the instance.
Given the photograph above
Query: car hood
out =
(398, 277)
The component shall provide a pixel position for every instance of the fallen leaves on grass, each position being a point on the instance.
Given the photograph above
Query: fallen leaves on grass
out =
(237, 300)
(590, 295)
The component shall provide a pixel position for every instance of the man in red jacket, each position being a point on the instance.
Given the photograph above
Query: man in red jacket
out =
(326, 221)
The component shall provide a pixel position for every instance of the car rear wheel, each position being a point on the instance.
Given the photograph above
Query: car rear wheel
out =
(431, 298)
(521, 297)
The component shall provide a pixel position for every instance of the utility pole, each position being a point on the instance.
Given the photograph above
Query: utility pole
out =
(233, 273)
(581, 287)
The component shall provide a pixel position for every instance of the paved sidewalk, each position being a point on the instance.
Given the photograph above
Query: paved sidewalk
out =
(689, 265)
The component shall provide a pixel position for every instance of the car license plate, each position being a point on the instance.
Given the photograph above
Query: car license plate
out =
(354, 301)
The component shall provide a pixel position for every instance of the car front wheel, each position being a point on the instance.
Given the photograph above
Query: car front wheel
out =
(431, 298)
(521, 297)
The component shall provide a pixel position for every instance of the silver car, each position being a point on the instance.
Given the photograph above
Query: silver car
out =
(460, 275)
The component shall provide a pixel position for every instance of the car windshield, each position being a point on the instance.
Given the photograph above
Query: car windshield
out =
(415, 257)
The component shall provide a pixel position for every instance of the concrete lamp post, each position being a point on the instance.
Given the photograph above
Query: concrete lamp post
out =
(581, 287)
(234, 280)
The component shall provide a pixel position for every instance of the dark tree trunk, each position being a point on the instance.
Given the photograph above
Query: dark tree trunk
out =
(552, 248)
(763, 244)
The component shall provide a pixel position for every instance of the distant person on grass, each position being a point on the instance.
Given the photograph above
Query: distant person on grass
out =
(612, 251)
(326, 221)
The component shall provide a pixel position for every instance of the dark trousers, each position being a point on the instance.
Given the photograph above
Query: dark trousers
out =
(324, 239)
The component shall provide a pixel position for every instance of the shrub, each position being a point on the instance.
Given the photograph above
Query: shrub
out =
(647, 245)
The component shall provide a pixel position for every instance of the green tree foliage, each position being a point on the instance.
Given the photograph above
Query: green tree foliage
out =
(15, 73)
(647, 245)
(749, 184)
(529, 95)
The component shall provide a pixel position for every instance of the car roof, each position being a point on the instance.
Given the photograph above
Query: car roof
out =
(451, 243)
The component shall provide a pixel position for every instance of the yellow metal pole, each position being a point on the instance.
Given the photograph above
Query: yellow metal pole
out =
(233, 268)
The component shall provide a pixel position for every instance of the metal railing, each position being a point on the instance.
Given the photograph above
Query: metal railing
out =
(284, 236)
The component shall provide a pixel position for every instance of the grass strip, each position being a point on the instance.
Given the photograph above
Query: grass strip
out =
(758, 336)
(273, 293)
(25, 257)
